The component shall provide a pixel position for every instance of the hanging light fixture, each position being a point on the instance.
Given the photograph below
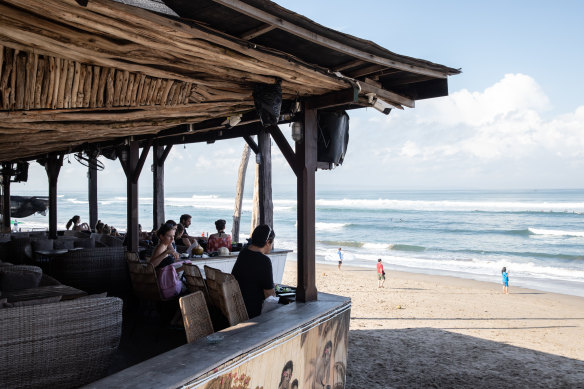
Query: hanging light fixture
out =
(297, 131)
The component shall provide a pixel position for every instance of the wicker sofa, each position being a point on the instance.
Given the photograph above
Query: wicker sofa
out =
(94, 270)
(63, 344)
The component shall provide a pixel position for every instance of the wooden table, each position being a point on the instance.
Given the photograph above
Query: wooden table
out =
(66, 293)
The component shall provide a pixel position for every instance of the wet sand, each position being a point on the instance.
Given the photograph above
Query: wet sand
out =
(436, 331)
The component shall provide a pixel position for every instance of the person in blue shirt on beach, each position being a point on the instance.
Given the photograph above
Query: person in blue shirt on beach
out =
(340, 258)
(505, 274)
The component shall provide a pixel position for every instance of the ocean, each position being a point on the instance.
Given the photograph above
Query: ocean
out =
(538, 235)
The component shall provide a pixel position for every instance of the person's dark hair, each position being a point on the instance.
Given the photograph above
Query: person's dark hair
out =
(164, 229)
(72, 220)
(171, 222)
(184, 218)
(294, 383)
(220, 224)
(379, 260)
(504, 269)
(262, 234)
(179, 228)
(99, 226)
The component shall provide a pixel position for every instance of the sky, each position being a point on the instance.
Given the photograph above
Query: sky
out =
(514, 117)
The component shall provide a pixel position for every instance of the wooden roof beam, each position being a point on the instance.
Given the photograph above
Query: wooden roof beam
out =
(311, 36)
(366, 71)
(348, 65)
(390, 97)
(253, 33)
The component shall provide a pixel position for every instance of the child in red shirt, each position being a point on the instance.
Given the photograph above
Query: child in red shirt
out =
(380, 274)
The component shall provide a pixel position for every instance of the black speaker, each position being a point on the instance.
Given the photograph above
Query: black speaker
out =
(333, 137)
(21, 173)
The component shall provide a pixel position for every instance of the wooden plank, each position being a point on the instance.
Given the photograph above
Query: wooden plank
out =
(39, 82)
(53, 75)
(21, 61)
(95, 81)
(86, 79)
(130, 88)
(117, 87)
(124, 87)
(110, 87)
(13, 80)
(311, 36)
(31, 85)
(75, 84)
(2, 48)
(349, 65)
(253, 33)
(4, 80)
(365, 71)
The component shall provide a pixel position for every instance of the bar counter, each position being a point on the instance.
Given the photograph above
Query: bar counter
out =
(225, 263)
(306, 342)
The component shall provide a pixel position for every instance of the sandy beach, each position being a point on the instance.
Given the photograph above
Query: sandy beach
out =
(435, 331)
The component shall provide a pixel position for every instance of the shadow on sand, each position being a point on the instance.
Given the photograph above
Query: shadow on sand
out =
(434, 358)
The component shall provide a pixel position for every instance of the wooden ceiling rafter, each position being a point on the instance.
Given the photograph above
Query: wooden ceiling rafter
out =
(253, 33)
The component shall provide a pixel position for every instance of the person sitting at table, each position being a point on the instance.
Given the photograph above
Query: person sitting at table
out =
(220, 239)
(165, 254)
(75, 222)
(253, 270)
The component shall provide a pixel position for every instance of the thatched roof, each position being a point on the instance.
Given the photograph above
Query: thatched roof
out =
(71, 75)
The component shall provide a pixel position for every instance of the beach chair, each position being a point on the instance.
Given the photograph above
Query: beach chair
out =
(195, 315)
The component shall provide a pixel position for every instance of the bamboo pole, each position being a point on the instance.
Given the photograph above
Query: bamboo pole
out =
(75, 85)
(38, 87)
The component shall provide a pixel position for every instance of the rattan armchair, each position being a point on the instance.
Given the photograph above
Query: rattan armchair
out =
(195, 315)
(194, 279)
(225, 294)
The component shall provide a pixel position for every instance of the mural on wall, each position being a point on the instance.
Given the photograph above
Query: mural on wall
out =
(315, 359)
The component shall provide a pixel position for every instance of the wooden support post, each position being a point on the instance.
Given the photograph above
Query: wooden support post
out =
(53, 167)
(266, 207)
(305, 181)
(132, 163)
(159, 156)
(6, 169)
(92, 191)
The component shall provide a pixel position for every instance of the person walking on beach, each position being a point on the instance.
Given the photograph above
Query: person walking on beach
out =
(380, 274)
(505, 274)
(340, 258)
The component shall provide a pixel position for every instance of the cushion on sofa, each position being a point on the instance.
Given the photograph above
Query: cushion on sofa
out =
(85, 243)
(64, 243)
(19, 277)
(45, 300)
(41, 244)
